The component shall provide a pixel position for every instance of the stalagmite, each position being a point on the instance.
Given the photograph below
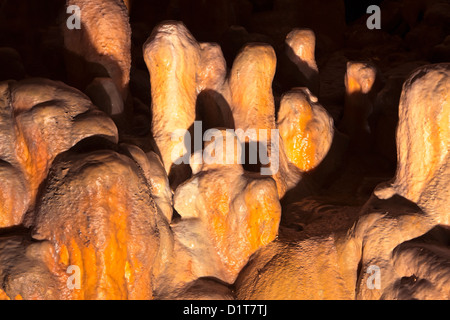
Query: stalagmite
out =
(305, 128)
(214, 92)
(104, 94)
(101, 47)
(232, 212)
(251, 87)
(39, 119)
(300, 49)
(172, 56)
(29, 270)
(416, 200)
(379, 249)
(306, 270)
(14, 195)
(156, 176)
(253, 107)
(107, 227)
(192, 150)
(359, 96)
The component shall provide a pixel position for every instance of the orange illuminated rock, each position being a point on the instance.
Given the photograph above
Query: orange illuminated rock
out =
(104, 94)
(188, 82)
(304, 270)
(305, 128)
(251, 78)
(128, 4)
(172, 56)
(423, 139)
(359, 95)
(14, 195)
(98, 213)
(207, 19)
(300, 49)
(28, 270)
(102, 45)
(418, 198)
(156, 176)
(423, 269)
(384, 225)
(226, 214)
(388, 253)
(253, 107)
(3, 295)
(39, 119)
(212, 85)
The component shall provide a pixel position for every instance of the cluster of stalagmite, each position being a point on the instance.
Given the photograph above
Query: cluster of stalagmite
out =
(135, 224)
(401, 231)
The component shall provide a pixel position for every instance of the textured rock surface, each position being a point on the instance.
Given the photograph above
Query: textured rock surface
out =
(359, 94)
(108, 226)
(213, 107)
(384, 226)
(101, 47)
(39, 119)
(77, 193)
(300, 49)
(384, 236)
(14, 195)
(253, 107)
(305, 270)
(417, 199)
(156, 176)
(423, 173)
(29, 270)
(105, 95)
(421, 268)
(227, 214)
(172, 56)
(305, 128)
(251, 87)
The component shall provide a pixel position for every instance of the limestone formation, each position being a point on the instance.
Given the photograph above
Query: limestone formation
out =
(213, 98)
(108, 226)
(300, 49)
(226, 214)
(14, 195)
(382, 256)
(39, 119)
(305, 128)
(172, 56)
(251, 78)
(156, 176)
(104, 94)
(423, 269)
(423, 142)
(29, 270)
(416, 200)
(101, 47)
(103, 243)
(360, 83)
